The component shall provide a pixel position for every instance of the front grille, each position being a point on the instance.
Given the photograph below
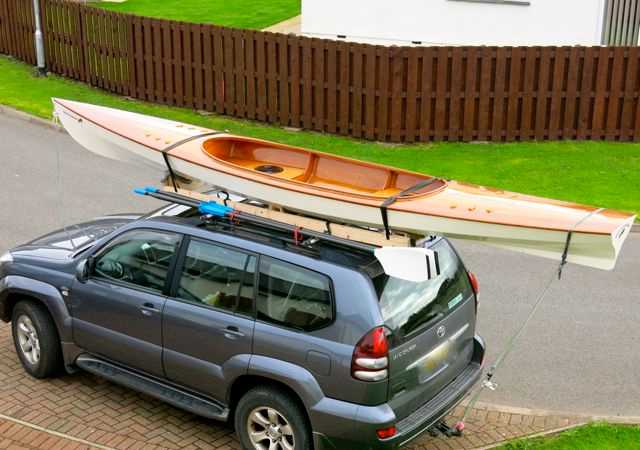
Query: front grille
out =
(439, 405)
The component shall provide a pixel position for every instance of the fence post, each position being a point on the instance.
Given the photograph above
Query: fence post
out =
(39, 39)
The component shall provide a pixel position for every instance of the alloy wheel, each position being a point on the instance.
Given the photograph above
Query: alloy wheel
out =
(270, 430)
(28, 340)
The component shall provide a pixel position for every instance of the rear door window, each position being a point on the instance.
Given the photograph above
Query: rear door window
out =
(293, 297)
(407, 307)
(217, 276)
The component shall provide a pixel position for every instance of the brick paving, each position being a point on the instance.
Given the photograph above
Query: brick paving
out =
(103, 414)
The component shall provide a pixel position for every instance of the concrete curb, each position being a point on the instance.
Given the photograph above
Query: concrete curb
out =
(20, 115)
(68, 437)
(623, 420)
(17, 114)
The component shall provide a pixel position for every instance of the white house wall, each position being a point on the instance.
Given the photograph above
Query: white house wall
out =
(449, 22)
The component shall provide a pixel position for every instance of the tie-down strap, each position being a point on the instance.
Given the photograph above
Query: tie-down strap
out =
(567, 243)
(391, 200)
(166, 150)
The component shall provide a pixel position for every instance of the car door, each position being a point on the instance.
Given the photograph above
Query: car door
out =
(117, 311)
(208, 320)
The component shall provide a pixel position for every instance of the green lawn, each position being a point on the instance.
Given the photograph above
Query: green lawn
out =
(590, 437)
(598, 173)
(255, 14)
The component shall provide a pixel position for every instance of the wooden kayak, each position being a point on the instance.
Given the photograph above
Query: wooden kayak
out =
(351, 191)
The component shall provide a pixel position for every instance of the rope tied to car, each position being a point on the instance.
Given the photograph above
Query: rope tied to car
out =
(488, 382)
(391, 200)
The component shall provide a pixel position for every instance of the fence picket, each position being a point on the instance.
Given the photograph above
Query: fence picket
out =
(229, 72)
(586, 94)
(630, 80)
(344, 69)
(613, 118)
(557, 91)
(296, 85)
(571, 104)
(241, 76)
(283, 80)
(411, 121)
(370, 92)
(497, 123)
(442, 75)
(542, 94)
(250, 70)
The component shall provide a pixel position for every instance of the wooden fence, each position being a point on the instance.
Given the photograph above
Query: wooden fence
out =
(396, 94)
(17, 30)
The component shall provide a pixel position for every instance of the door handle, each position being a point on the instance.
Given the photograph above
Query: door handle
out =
(148, 309)
(232, 332)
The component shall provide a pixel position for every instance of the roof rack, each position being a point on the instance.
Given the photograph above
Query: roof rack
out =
(305, 230)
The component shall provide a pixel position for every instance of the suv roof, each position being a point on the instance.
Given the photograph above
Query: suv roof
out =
(353, 257)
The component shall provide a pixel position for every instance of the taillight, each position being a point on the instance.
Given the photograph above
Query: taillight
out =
(386, 433)
(475, 286)
(370, 360)
(474, 282)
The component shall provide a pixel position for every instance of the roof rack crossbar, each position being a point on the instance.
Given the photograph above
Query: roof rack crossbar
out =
(217, 211)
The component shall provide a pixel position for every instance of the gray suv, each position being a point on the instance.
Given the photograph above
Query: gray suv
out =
(298, 345)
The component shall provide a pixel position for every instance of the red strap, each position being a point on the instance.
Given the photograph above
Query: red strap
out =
(233, 217)
(297, 236)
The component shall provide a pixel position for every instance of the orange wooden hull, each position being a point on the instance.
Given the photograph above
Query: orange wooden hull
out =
(353, 191)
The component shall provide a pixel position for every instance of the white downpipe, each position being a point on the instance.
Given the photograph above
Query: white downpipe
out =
(39, 39)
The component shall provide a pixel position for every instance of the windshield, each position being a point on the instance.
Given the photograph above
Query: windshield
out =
(408, 307)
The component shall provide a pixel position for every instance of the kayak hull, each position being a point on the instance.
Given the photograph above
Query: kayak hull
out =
(449, 208)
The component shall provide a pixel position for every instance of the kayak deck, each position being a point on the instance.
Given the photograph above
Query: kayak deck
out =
(313, 169)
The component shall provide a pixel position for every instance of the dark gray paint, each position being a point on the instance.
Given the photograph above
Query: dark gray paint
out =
(119, 322)
(200, 352)
(205, 350)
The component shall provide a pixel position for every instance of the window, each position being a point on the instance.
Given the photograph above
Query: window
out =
(293, 297)
(217, 276)
(407, 306)
(141, 258)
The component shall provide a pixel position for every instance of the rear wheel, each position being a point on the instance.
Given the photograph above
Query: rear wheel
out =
(36, 340)
(269, 419)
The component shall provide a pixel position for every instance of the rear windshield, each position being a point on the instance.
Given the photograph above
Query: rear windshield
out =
(408, 307)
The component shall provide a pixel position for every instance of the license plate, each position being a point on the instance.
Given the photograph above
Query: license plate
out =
(436, 357)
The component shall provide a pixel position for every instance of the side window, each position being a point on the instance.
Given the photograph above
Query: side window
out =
(293, 297)
(141, 258)
(217, 276)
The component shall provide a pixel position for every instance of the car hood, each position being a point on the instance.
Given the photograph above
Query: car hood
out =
(60, 243)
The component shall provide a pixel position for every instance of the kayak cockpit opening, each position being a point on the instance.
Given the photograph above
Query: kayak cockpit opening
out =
(317, 170)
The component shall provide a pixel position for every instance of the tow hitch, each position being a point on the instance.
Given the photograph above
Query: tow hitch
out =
(444, 429)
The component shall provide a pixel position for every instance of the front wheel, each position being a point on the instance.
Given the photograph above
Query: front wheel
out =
(269, 419)
(36, 340)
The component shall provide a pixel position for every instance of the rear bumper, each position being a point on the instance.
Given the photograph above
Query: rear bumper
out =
(337, 431)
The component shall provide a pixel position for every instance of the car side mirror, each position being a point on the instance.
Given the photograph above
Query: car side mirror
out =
(83, 269)
(409, 263)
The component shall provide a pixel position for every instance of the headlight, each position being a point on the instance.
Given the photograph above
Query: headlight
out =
(6, 258)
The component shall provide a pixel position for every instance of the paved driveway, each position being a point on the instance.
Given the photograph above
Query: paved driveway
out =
(579, 354)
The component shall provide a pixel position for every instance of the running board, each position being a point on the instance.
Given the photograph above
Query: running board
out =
(153, 388)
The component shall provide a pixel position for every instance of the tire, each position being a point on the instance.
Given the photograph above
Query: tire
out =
(33, 328)
(285, 410)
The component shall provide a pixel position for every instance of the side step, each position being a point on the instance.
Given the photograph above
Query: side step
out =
(154, 388)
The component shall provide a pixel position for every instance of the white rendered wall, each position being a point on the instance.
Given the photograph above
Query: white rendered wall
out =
(446, 22)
